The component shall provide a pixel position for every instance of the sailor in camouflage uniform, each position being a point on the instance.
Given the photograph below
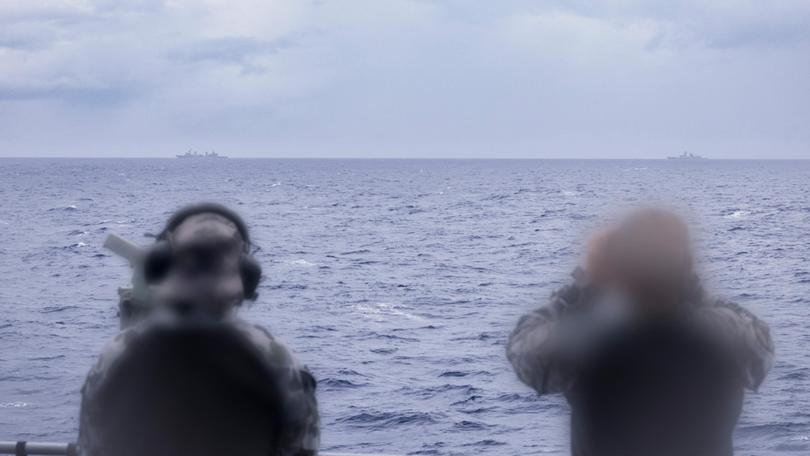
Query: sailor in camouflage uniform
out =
(199, 272)
(650, 364)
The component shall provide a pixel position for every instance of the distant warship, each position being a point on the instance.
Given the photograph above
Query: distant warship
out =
(195, 154)
(686, 156)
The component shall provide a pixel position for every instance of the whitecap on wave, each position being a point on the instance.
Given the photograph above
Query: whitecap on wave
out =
(69, 208)
(380, 310)
(14, 404)
(302, 262)
(737, 214)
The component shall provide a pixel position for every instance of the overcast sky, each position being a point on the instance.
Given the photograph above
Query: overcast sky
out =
(406, 78)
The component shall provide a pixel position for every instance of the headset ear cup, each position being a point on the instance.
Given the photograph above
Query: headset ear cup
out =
(157, 262)
(251, 275)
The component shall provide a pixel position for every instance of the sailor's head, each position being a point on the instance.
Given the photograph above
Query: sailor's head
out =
(648, 251)
(201, 264)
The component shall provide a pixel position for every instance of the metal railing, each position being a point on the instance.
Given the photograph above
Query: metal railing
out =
(23, 448)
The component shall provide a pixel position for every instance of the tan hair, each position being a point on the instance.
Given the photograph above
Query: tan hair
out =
(650, 246)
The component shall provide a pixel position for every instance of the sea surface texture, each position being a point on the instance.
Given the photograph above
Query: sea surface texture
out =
(397, 282)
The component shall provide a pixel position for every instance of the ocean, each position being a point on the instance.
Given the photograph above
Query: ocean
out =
(396, 281)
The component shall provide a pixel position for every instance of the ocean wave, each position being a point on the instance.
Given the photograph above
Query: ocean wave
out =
(388, 420)
(339, 383)
(464, 374)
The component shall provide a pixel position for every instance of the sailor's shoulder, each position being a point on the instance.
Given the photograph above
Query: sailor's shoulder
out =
(721, 308)
(278, 355)
(271, 347)
(576, 291)
(749, 337)
(569, 294)
(116, 346)
(111, 352)
(726, 317)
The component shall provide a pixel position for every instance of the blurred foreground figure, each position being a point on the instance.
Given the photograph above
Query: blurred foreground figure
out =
(190, 378)
(650, 365)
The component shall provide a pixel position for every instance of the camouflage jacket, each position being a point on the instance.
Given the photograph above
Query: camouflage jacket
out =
(540, 345)
(303, 430)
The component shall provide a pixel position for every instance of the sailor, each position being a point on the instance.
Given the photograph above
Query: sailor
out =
(191, 377)
(650, 364)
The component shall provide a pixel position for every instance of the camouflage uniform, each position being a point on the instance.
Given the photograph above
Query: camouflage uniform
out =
(302, 436)
(540, 349)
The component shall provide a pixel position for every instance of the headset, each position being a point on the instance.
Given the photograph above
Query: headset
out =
(159, 258)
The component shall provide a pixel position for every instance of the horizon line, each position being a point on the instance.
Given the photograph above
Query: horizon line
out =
(147, 157)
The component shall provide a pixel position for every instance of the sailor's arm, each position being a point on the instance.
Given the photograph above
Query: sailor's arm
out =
(536, 346)
(748, 337)
(301, 436)
(89, 414)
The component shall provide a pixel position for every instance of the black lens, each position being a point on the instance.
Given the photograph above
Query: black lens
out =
(157, 264)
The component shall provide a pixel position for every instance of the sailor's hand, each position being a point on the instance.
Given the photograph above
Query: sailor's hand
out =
(599, 265)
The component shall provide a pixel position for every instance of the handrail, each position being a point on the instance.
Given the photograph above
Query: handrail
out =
(23, 448)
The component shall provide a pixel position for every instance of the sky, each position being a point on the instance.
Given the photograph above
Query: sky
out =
(405, 78)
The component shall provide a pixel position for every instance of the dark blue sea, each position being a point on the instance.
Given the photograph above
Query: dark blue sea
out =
(397, 282)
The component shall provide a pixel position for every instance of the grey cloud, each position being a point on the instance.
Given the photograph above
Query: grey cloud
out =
(762, 35)
(711, 24)
(130, 6)
(23, 43)
(708, 23)
(37, 31)
(39, 28)
(26, 36)
(233, 50)
(52, 17)
(80, 95)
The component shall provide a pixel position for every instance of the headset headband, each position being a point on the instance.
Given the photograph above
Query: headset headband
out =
(207, 208)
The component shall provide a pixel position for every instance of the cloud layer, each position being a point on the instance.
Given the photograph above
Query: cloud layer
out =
(405, 78)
